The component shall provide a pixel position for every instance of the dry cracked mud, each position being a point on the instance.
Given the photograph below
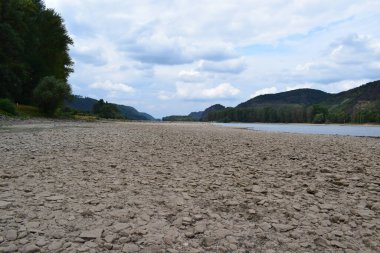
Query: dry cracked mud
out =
(157, 187)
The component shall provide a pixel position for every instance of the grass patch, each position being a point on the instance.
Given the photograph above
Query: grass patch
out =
(29, 111)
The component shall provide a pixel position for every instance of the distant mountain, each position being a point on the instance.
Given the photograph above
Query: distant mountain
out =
(300, 96)
(358, 105)
(216, 107)
(196, 115)
(85, 104)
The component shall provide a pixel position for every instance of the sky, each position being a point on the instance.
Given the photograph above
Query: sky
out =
(174, 57)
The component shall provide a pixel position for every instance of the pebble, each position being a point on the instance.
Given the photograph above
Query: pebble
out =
(4, 204)
(92, 234)
(11, 235)
(55, 245)
(30, 248)
(130, 248)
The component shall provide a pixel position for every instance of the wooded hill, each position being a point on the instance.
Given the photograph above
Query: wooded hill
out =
(358, 105)
(86, 104)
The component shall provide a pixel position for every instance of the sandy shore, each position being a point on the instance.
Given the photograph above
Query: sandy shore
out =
(159, 187)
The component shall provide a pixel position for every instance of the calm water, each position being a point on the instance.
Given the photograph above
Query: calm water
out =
(310, 128)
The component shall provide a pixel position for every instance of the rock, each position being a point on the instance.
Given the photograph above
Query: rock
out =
(92, 234)
(264, 226)
(33, 224)
(186, 220)
(11, 235)
(337, 244)
(312, 189)
(9, 248)
(91, 244)
(30, 248)
(108, 246)
(208, 241)
(55, 198)
(1, 239)
(55, 245)
(130, 248)
(4, 204)
(41, 242)
(120, 226)
(200, 228)
(282, 227)
(110, 238)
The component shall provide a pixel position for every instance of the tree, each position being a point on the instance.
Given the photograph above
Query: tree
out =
(34, 44)
(106, 110)
(50, 94)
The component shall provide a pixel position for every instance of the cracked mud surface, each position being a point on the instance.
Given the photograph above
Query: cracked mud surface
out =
(155, 187)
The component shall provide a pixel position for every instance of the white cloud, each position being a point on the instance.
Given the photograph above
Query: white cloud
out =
(112, 87)
(234, 66)
(264, 91)
(190, 76)
(200, 91)
(299, 86)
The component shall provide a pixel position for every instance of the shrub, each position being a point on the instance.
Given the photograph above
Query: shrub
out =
(7, 106)
(50, 94)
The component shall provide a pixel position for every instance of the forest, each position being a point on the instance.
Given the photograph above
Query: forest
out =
(34, 49)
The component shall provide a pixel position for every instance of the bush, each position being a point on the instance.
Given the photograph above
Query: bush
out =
(50, 94)
(7, 106)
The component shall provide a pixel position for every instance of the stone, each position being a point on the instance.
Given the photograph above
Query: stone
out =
(282, 227)
(108, 246)
(4, 204)
(91, 244)
(264, 226)
(11, 235)
(55, 198)
(186, 220)
(30, 248)
(55, 245)
(32, 224)
(337, 244)
(9, 248)
(110, 238)
(41, 242)
(130, 248)
(92, 234)
(312, 189)
(120, 226)
(200, 228)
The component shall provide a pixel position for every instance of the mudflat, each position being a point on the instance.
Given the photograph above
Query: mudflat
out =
(165, 187)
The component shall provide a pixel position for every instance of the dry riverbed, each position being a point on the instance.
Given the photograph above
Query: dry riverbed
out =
(157, 187)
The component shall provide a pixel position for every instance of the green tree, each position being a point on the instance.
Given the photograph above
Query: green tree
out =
(34, 44)
(50, 94)
(106, 110)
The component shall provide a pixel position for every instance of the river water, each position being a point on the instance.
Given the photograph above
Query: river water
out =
(331, 129)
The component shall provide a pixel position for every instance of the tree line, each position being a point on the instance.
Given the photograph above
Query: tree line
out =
(34, 50)
(297, 114)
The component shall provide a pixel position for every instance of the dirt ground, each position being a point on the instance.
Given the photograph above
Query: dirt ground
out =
(161, 187)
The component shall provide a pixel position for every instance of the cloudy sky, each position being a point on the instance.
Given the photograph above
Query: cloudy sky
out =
(173, 57)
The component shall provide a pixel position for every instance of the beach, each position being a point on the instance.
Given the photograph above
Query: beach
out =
(185, 187)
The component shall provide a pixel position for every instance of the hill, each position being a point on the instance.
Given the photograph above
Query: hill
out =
(299, 96)
(195, 116)
(358, 105)
(85, 104)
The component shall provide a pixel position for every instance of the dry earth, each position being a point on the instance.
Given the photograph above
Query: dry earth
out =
(155, 187)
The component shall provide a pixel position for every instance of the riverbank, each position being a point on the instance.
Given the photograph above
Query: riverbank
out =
(167, 187)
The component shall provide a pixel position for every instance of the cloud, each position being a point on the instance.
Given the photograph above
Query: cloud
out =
(299, 86)
(190, 76)
(224, 90)
(353, 57)
(112, 87)
(200, 91)
(264, 91)
(234, 66)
